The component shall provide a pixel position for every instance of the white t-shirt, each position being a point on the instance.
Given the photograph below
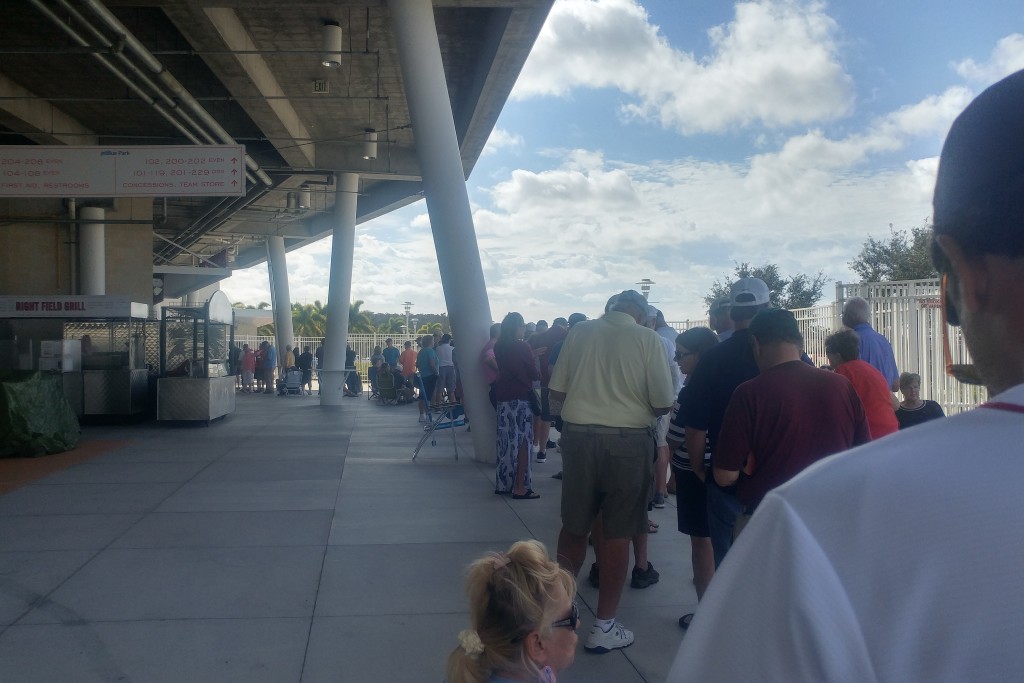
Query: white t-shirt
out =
(670, 351)
(444, 355)
(901, 560)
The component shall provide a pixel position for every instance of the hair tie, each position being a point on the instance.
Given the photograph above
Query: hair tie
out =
(470, 641)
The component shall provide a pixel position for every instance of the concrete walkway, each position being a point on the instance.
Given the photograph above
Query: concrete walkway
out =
(287, 542)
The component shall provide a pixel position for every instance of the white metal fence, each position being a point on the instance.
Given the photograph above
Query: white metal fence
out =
(908, 314)
(362, 344)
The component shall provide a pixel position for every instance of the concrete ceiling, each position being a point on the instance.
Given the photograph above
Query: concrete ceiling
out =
(251, 66)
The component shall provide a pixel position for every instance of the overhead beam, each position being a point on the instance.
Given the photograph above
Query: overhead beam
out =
(236, 37)
(347, 156)
(38, 120)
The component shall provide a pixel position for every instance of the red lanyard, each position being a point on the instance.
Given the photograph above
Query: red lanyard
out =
(998, 405)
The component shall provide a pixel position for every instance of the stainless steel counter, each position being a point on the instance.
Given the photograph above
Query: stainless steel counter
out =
(188, 398)
(114, 391)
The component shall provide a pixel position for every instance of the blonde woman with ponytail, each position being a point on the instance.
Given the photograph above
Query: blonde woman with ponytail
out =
(523, 618)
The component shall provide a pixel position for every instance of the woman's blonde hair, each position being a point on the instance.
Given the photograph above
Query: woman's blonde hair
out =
(510, 595)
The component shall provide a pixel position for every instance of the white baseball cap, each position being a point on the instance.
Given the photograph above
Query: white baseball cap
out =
(749, 291)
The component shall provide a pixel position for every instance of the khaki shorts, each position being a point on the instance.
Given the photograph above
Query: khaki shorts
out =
(606, 470)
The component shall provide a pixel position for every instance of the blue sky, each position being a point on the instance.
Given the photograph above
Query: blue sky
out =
(669, 140)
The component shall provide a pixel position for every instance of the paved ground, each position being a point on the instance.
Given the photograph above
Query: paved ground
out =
(287, 542)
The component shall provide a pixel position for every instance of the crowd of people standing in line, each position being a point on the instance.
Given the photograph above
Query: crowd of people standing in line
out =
(833, 528)
(634, 403)
(259, 370)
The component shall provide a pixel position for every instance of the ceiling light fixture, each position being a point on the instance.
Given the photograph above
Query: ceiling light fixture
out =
(369, 144)
(332, 45)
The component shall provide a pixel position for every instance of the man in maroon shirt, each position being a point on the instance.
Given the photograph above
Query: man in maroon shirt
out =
(784, 420)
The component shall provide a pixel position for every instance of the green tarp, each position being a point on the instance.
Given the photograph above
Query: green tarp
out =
(35, 418)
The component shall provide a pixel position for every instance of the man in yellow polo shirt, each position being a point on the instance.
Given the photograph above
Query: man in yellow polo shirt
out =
(613, 380)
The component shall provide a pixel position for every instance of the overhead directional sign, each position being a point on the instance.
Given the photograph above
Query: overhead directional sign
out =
(160, 171)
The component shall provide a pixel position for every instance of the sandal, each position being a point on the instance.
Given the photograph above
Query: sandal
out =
(652, 527)
(529, 495)
(684, 621)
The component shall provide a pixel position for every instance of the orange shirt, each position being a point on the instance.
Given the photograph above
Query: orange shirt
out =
(873, 390)
(408, 361)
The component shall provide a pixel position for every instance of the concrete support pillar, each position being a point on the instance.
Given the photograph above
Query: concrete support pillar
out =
(91, 252)
(451, 218)
(277, 267)
(339, 289)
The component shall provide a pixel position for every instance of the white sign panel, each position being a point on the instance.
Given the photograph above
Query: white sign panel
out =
(160, 171)
(71, 306)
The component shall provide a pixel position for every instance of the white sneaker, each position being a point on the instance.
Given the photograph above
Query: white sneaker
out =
(599, 642)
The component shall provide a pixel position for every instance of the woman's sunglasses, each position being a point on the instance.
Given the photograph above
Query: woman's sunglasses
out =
(962, 372)
(572, 621)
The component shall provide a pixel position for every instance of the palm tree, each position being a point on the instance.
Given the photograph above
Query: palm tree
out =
(392, 325)
(358, 320)
(309, 320)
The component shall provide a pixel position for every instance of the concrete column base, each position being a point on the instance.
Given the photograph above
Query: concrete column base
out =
(332, 387)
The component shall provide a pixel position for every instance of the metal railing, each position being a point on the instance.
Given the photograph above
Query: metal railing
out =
(908, 314)
(362, 344)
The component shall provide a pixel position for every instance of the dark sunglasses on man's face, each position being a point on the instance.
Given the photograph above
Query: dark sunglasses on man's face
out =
(572, 621)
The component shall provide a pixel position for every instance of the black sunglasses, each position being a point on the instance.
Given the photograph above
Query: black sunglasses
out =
(572, 621)
(680, 355)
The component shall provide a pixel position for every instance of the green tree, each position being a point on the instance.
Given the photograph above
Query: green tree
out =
(393, 325)
(309, 320)
(798, 291)
(359, 321)
(905, 255)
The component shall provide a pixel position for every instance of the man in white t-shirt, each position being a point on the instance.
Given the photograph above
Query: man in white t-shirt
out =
(901, 560)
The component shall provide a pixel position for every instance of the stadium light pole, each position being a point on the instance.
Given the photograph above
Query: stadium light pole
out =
(645, 286)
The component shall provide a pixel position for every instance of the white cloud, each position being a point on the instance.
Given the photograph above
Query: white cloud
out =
(562, 238)
(775, 64)
(502, 139)
(807, 164)
(1006, 58)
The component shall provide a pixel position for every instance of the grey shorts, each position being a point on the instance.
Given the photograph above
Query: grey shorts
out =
(446, 378)
(607, 470)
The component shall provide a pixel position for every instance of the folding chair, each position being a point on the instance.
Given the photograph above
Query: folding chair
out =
(373, 376)
(387, 389)
(449, 416)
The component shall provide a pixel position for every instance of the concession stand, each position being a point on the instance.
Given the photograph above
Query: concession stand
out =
(102, 347)
(195, 380)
